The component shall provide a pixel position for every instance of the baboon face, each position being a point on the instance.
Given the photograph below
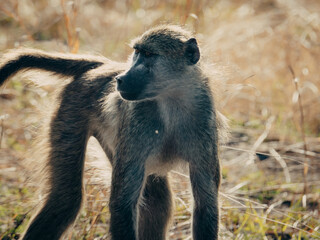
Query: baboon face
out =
(133, 82)
(160, 59)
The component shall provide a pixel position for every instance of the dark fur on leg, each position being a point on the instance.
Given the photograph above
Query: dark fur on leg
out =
(65, 166)
(205, 186)
(157, 201)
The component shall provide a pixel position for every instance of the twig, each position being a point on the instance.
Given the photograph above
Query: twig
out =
(261, 138)
(1, 134)
(2, 118)
(305, 166)
(287, 186)
(289, 158)
(283, 164)
(72, 33)
(307, 153)
(240, 185)
(282, 223)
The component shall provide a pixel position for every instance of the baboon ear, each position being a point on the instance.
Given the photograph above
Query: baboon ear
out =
(192, 52)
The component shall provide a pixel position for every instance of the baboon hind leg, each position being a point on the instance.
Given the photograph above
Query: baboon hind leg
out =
(68, 143)
(155, 210)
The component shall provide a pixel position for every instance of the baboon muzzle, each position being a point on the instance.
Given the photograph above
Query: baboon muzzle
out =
(126, 89)
(131, 84)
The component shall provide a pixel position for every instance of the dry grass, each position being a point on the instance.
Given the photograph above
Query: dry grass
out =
(271, 164)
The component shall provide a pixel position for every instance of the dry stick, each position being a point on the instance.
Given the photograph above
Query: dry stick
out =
(260, 140)
(286, 157)
(306, 166)
(2, 131)
(67, 24)
(76, 31)
(73, 35)
(282, 223)
(2, 118)
(283, 164)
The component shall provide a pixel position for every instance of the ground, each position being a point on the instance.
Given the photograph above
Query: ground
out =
(263, 57)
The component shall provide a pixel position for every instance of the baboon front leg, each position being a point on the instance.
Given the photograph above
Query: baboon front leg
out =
(155, 209)
(68, 139)
(127, 182)
(205, 179)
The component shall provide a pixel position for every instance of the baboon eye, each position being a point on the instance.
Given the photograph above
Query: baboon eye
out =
(148, 54)
(143, 52)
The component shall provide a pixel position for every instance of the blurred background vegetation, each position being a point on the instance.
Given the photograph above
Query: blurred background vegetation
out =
(264, 55)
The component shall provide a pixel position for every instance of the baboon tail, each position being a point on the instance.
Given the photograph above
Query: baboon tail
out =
(69, 65)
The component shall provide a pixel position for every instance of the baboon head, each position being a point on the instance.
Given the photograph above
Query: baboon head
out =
(161, 59)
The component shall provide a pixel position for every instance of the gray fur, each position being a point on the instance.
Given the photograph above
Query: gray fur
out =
(168, 119)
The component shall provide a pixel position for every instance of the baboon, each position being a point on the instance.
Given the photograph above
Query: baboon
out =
(149, 115)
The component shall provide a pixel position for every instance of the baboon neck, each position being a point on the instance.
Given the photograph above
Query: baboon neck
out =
(178, 106)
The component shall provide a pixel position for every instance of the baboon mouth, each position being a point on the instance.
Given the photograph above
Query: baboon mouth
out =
(129, 96)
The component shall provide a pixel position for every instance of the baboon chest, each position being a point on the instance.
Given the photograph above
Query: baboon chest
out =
(165, 133)
(178, 132)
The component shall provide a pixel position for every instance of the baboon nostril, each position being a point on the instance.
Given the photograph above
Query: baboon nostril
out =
(119, 80)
